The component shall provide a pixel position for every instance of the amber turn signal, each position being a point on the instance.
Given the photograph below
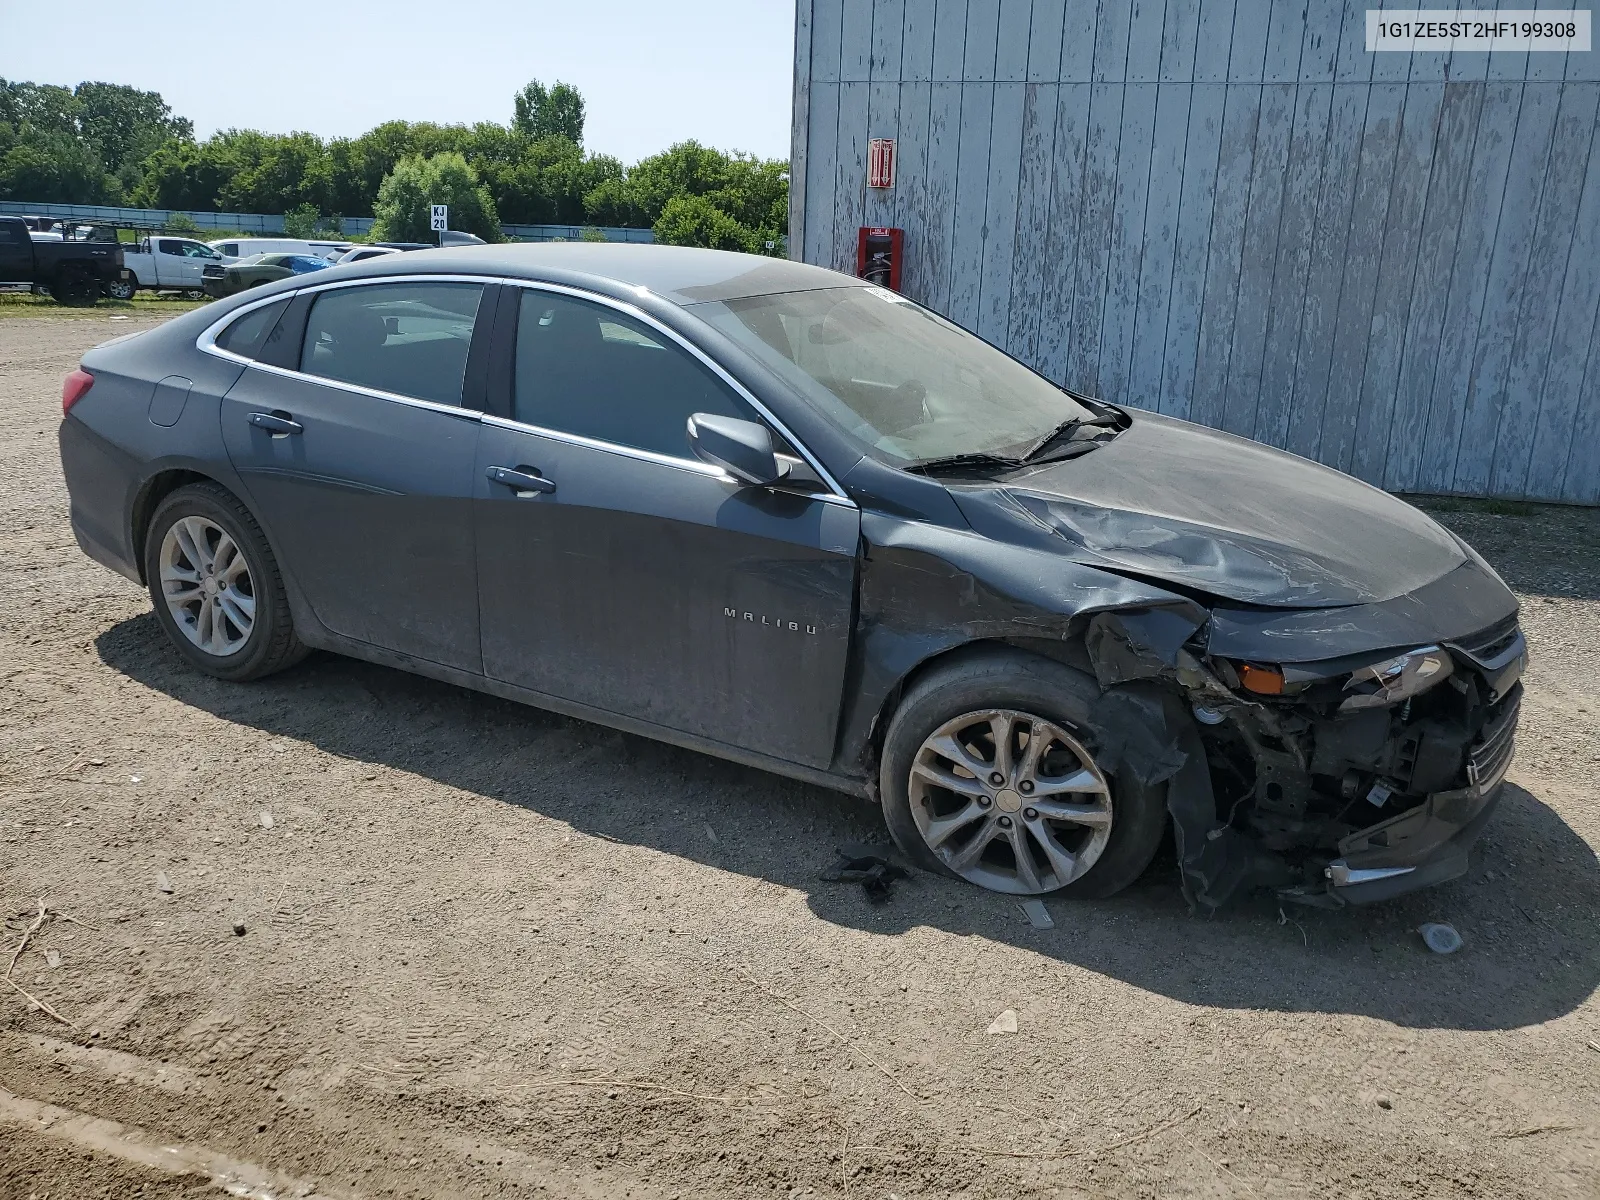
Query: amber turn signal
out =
(1263, 680)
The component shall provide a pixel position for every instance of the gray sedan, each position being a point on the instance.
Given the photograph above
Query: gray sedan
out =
(787, 517)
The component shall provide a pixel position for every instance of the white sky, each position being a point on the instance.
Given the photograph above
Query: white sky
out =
(652, 72)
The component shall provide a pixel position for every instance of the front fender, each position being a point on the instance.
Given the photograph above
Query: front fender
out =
(927, 589)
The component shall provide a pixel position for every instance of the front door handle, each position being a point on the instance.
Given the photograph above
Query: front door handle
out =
(276, 425)
(523, 482)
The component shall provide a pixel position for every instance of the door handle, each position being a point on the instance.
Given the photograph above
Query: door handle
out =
(524, 483)
(276, 425)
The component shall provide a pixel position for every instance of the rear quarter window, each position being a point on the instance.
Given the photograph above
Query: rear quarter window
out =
(251, 334)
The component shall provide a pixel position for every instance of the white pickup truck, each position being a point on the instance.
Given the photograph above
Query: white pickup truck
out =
(167, 264)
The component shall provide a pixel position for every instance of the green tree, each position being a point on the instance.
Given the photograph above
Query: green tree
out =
(540, 113)
(124, 125)
(182, 175)
(301, 221)
(42, 154)
(416, 183)
(274, 173)
(696, 221)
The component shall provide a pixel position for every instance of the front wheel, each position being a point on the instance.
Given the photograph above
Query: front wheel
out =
(216, 586)
(989, 774)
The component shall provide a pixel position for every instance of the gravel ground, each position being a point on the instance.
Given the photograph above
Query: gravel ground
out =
(492, 951)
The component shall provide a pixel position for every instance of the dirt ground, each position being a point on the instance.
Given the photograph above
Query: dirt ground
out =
(489, 951)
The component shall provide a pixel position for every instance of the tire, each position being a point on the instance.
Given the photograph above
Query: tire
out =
(75, 291)
(211, 632)
(121, 289)
(1101, 837)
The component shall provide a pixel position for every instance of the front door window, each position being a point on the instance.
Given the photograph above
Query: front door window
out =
(587, 369)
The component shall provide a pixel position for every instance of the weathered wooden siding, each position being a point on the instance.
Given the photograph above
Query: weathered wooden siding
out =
(1229, 211)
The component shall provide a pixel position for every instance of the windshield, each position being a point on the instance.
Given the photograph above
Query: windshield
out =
(909, 384)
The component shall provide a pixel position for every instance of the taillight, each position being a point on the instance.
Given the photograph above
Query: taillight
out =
(74, 388)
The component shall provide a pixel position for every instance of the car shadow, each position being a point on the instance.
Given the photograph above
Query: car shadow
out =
(1528, 909)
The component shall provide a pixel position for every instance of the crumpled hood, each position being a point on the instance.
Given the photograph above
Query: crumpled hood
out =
(1179, 502)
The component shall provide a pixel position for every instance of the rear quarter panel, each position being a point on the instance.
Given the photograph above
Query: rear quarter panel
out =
(111, 450)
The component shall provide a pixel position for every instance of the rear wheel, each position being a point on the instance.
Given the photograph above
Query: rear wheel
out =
(76, 291)
(121, 289)
(989, 774)
(216, 586)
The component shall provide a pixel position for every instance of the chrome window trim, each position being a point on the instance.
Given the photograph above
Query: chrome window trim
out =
(574, 439)
(207, 342)
(692, 465)
(836, 493)
(451, 410)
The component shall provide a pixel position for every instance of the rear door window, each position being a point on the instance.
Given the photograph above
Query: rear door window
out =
(252, 333)
(586, 369)
(409, 339)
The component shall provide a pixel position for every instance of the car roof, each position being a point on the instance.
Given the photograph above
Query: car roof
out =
(681, 274)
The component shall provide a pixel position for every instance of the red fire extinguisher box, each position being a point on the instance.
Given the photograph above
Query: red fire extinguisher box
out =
(879, 251)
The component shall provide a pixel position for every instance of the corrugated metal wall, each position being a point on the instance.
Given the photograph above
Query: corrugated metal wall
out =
(1229, 211)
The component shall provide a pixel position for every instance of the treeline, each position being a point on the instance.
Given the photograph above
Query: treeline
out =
(104, 143)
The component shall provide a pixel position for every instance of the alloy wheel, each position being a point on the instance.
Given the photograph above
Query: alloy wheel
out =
(1010, 801)
(207, 585)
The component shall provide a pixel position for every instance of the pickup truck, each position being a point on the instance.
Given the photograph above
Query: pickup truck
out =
(167, 263)
(73, 272)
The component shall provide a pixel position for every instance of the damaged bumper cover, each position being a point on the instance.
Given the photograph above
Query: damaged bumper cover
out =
(1429, 843)
(1271, 791)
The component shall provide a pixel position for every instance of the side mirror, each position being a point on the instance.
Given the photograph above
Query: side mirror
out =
(742, 448)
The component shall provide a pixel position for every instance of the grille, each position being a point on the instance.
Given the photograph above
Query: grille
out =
(1490, 755)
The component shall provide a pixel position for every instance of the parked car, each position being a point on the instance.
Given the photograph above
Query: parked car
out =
(169, 263)
(793, 519)
(261, 269)
(362, 253)
(237, 248)
(72, 272)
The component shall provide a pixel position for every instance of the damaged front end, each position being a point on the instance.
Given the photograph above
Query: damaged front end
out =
(1339, 780)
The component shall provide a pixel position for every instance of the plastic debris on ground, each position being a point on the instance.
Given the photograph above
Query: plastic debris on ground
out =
(1441, 939)
(1006, 1022)
(163, 883)
(870, 866)
(1038, 915)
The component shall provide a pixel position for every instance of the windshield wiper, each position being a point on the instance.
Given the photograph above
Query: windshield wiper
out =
(956, 462)
(1066, 429)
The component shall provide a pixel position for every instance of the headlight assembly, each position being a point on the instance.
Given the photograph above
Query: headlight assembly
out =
(1396, 679)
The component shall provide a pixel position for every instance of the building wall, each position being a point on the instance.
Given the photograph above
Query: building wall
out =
(1228, 210)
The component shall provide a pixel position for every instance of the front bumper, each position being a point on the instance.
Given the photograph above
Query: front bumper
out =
(1428, 844)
